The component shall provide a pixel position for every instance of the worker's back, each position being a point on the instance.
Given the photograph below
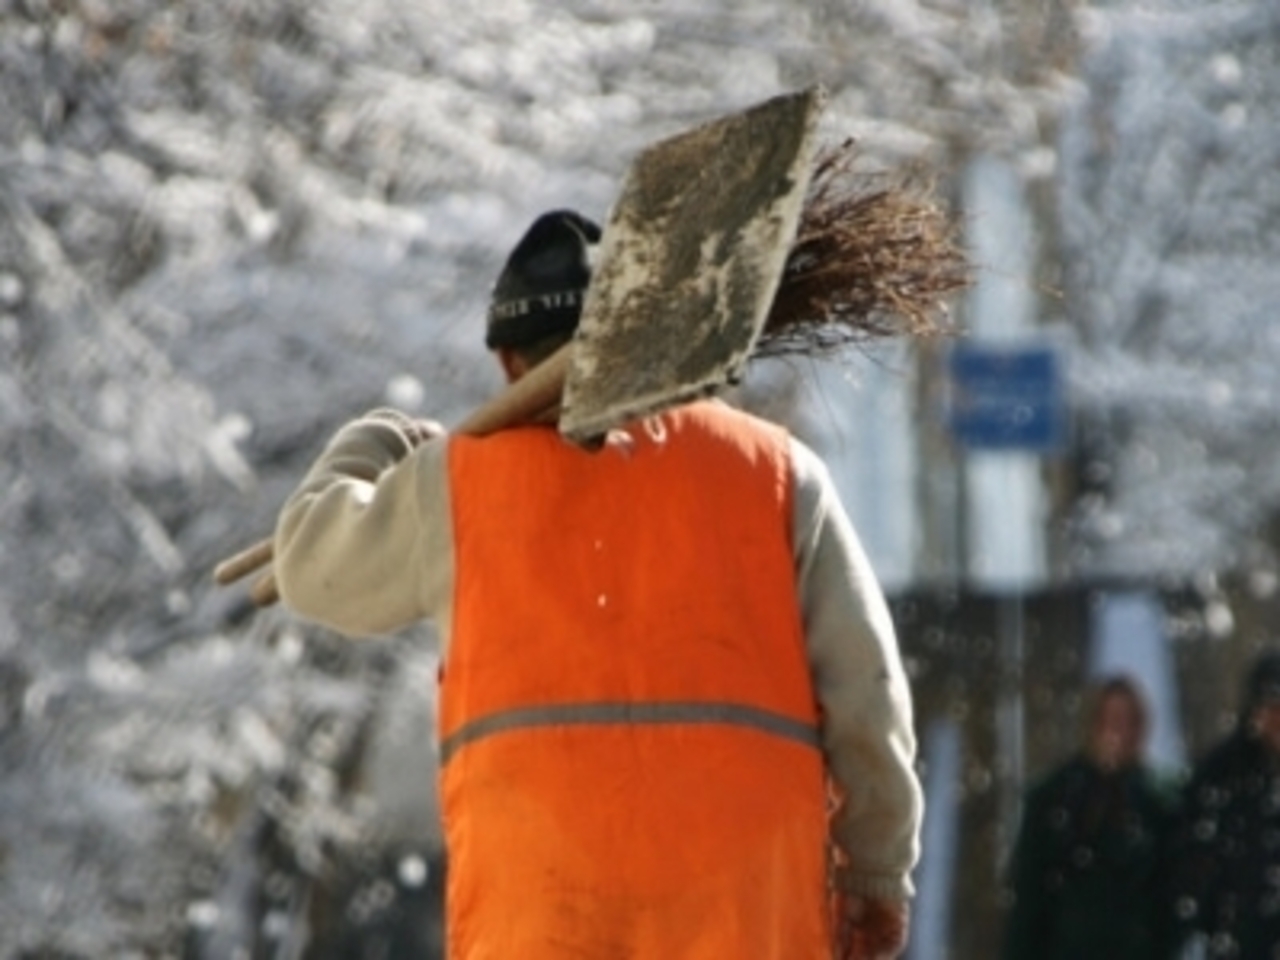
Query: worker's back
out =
(629, 731)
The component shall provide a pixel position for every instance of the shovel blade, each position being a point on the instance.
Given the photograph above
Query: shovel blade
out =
(689, 263)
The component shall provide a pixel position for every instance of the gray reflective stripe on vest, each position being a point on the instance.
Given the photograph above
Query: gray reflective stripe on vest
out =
(576, 714)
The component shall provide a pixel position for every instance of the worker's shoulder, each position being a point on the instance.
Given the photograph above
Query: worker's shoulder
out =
(722, 417)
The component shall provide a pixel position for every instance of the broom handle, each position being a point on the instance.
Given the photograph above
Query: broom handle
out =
(535, 396)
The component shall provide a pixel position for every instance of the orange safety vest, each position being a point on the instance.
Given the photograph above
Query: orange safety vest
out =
(629, 747)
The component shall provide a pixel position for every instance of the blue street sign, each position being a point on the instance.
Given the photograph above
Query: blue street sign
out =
(1006, 398)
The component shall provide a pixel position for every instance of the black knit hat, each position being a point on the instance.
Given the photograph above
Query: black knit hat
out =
(540, 290)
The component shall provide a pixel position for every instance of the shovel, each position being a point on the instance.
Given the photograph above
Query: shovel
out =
(688, 265)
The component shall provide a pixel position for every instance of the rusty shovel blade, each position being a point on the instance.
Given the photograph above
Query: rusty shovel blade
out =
(688, 265)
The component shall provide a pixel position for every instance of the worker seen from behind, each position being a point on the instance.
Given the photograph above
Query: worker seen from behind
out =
(673, 718)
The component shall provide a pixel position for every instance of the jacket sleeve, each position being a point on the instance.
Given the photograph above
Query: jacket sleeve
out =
(862, 690)
(349, 541)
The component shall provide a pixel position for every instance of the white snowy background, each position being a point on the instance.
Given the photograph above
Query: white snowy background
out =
(227, 225)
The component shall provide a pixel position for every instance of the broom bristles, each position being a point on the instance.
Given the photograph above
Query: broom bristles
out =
(874, 256)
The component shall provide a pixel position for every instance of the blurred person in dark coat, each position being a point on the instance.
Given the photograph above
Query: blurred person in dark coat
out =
(1087, 863)
(1226, 872)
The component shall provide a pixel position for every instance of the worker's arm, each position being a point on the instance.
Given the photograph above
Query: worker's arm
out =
(862, 689)
(350, 541)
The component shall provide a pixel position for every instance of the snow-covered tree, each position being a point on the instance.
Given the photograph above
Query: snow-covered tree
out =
(1169, 199)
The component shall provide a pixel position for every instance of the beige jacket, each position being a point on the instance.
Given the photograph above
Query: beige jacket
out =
(364, 547)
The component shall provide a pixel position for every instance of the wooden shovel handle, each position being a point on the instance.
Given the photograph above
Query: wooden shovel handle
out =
(523, 401)
(243, 563)
(535, 397)
(265, 591)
